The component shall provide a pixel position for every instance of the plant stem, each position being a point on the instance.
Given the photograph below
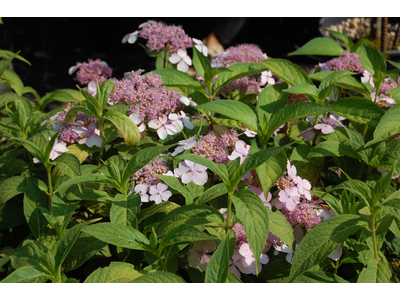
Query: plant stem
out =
(373, 232)
(228, 213)
(50, 185)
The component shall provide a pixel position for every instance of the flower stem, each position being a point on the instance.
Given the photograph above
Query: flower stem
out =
(50, 185)
(373, 232)
(228, 213)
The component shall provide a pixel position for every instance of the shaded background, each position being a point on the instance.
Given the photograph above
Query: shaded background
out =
(53, 45)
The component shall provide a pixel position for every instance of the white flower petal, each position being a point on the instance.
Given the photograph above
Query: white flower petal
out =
(174, 58)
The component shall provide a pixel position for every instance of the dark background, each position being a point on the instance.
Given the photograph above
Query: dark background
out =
(53, 45)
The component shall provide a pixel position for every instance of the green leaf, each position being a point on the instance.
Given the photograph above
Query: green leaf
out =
(201, 63)
(344, 38)
(321, 240)
(212, 193)
(140, 159)
(372, 60)
(83, 249)
(163, 207)
(327, 84)
(13, 80)
(103, 93)
(252, 162)
(63, 95)
(392, 207)
(179, 79)
(216, 168)
(387, 126)
(279, 226)
(295, 111)
(66, 242)
(176, 184)
(88, 195)
(271, 170)
(320, 277)
(270, 100)
(233, 109)
(69, 163)
(254, 215)
(124, 209)
(81, 151)
(218, 267)
(34, 199)
(347, 82)
(11, 154)
(287, 71)
(375, 272)
(24, 274)
(304, 88)
(92, 100)
(359, 110)
(85, 107)
(118, 235)
(184, 233)
(117, 272)
(81, 179)
(11, 187)
(159, 277)
(125, 125)
(32, 148)
(319, 46)
(237, 70)
(192, 215)
(331, 148)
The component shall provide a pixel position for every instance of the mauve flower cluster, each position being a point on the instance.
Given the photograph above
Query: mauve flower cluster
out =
(238, 54)
(246, 53)
(146, 96)
(304, 214)
(346, 61)
(79, 130)
(387, 85)
(216, 148)
(94, 70)
(147, 174)
(160, 35)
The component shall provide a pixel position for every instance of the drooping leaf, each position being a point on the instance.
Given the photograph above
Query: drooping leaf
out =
(254, 215)
(117, 272)
(233, 109)
(280, 226)
(11, 187)
(321, 240)
(212, 193)
(320, 277)
(375, 272)
(319, 46)
(24, 274)
(118, 235)
(218, 266)
(179, 79)
(192, 215)
(123, 210)
(126, 126)
(287, 71)
(159, 277)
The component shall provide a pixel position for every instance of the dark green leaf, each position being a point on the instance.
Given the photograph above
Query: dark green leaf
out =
(319, 46)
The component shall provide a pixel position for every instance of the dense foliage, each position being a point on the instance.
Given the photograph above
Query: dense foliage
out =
(235, 168)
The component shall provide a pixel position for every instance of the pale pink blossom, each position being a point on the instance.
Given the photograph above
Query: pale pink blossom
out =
(138, 121)
(180, 118)
(182, 59)
(267, 78)
(185, 145)
(189, 171)
(291, 170)
(245, 261)
(286, 249)
(260, 193)
(159, 193)
(187, 101)
(304, 186)
(290, 197)
(142, 189)
(58, 149)
(198, 253)
(241, 150)
(164, 127)
(90, 135)
(200, 46)
(325, 128)
(131, 37)
(250, 133)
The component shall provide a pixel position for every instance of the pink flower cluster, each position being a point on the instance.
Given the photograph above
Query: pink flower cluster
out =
(82, 130)
(346, 61)
(292, 189)
(216, 148)
(146, 96)
(147, 174)
(160, 35)
(93, 70)
(304, 214)
(241, 54)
